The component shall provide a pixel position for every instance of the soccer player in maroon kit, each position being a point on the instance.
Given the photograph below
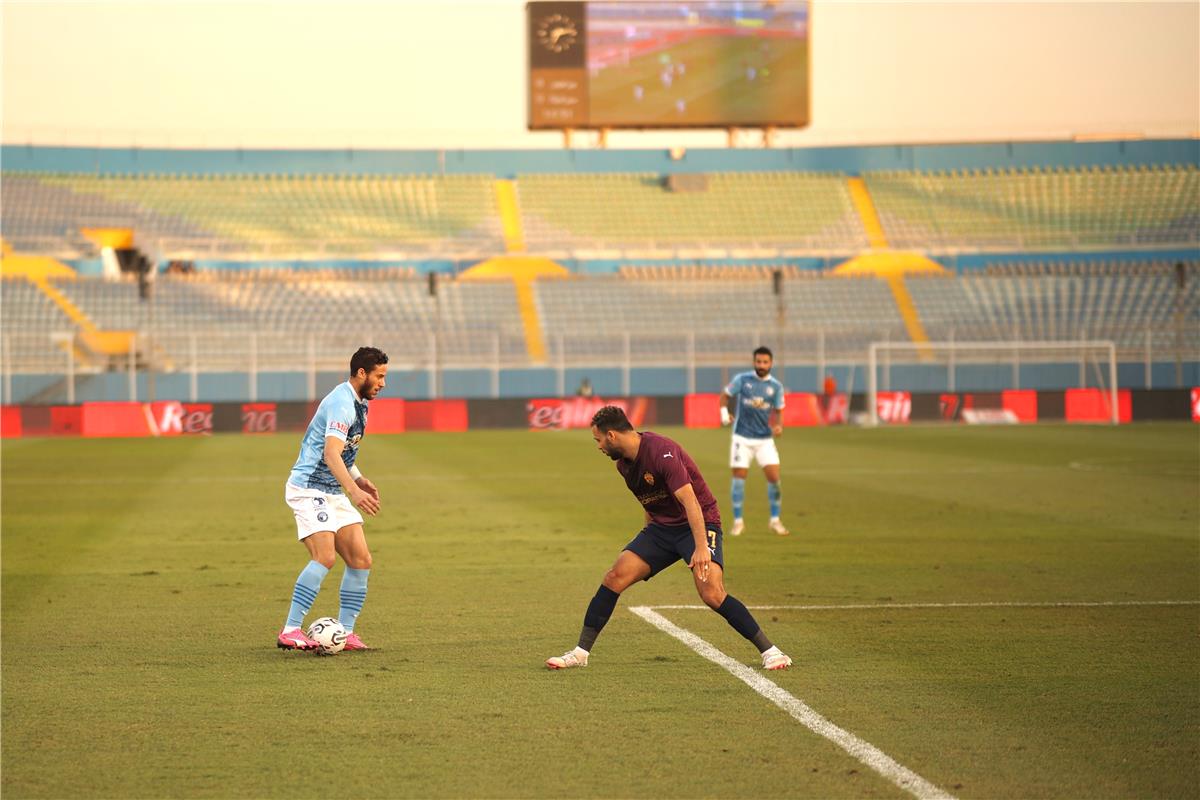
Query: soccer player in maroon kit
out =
(683, 523)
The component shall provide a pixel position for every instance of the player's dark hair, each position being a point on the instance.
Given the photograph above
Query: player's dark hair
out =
(611, 418)
(765, 351)
(367, 358)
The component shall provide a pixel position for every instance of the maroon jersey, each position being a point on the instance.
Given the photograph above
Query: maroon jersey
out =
(661, 469)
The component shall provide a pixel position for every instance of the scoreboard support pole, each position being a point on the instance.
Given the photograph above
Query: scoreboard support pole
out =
(601, 137)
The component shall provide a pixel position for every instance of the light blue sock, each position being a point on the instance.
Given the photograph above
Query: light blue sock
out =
(774, 498)
(739, 496)
(353, 595)
(305, 593)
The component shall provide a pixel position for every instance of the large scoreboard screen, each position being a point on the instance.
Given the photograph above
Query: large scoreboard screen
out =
(668, 64)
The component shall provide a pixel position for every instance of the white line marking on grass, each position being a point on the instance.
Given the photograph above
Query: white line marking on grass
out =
(868, 754)
(885, 606)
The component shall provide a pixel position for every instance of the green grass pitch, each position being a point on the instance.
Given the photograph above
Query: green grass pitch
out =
(144, 582)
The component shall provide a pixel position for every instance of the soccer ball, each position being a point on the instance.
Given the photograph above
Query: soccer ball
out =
(329, 635)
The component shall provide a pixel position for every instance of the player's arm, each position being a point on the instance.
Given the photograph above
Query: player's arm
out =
(362, 482)
(695, 516)
(776, 419)
(728, 406)
(359, 497)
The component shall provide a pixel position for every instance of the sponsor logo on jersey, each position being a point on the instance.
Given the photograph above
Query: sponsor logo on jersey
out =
(339, 426)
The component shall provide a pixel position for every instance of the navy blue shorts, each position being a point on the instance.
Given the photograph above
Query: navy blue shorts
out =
(660, 546)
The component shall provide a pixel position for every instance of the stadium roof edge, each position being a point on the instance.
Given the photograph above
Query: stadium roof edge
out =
(851, 160)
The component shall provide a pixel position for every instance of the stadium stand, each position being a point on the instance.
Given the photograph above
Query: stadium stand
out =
(373, 214)
(273, 214)
(783, 209)
(222, 311)
(665, 259)
(1048, 301)
(1038, 208)
(659, 308)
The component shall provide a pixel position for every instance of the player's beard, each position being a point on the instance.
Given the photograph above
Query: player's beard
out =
(612, 453)
(762, 373)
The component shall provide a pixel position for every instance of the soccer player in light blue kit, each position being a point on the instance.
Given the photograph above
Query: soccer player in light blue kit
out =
(757, 417)
(325, 492)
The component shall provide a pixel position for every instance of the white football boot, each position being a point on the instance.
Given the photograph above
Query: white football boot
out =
(739, 525)
(776, 527)
(571, 658)
(775, 659)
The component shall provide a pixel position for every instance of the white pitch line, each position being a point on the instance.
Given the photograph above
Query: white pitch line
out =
(885, 606)
(865, 752)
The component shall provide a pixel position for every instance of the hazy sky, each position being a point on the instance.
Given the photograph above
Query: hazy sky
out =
(453, 74)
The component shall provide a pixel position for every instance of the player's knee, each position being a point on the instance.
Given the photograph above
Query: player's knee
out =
(326, 560)
(713, 596)
(616, 581)
(362, 560)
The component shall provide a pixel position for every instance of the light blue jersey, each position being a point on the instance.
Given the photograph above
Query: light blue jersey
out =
(756, 397)
(341, 414)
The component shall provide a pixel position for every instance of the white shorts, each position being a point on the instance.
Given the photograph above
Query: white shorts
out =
(316, 511)
(741, 450)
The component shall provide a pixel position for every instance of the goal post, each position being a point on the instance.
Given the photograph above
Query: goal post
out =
(953, 366)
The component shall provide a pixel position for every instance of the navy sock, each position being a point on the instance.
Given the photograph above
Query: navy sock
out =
(738, 616)
(596, 617)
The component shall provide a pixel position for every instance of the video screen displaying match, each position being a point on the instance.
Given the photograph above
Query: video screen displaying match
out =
(681, 64)
(711, 64)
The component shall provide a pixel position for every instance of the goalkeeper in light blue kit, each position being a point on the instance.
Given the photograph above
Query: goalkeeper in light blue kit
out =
(326, 493)
(757, 416)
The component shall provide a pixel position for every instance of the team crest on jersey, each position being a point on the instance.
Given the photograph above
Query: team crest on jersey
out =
(770, 390)
(648, 478)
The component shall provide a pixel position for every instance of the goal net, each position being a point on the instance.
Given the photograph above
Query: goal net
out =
(953, 370)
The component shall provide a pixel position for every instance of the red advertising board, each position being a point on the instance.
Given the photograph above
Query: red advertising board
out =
(702, 410)
(433, 415)
(1022, 403)
(386, 416)
(893, 408)
(1095, 405)
(114, 419)
(806, 408)
(559, 413)
(173, 418)
(1195, 404)
(259, 418)
(10, 422)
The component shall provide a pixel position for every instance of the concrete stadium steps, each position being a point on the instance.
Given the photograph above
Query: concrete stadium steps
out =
(725, 315)
(277, 212)
(472, 317)
(646, 316)
(1113, 305)
(1039, 208)
(635, 209)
